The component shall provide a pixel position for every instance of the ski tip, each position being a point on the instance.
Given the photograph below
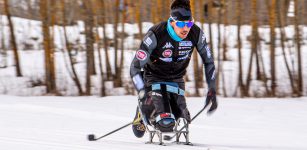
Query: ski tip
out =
(91, 137)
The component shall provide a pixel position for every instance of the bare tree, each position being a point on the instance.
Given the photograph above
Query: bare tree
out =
(49, 52)
(74, 74)
(3, 51)
(240, 80)
(202, 21)
(254, 41)
(116, 20)
(195, 59)
(105, 40)
(138, 17)
(98, 11)
(210, 16)
(298, 46)
(122, 36)
(153, 12)
(272, 12)
(281, 21)
(13, 38)
(225, 12)
(159, 10)
(89, 36)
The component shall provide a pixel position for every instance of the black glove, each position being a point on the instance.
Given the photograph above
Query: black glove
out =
(211, 98)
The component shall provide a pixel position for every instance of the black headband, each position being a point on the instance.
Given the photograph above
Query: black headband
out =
(181, 14)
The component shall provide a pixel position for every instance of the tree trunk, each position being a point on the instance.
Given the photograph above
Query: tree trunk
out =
(3, 50)
(272, 12)
(298, 46)
(122, 57)
(210, 22)
(253, 42)
(159, 10)
(105, 40)
(138, 17)
(89, 39)
(240, 80)
(74, 75)
(219, 64)
(195, 59)
(263, 75)
(225, 30)
(13, 39)
(116, 43)
(153, 12)
(201, 67)
(280, 19)
(98, 21)
(223, 11)
(49, 53)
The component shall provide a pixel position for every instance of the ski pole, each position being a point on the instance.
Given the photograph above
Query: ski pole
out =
(91, 137)
(168, 138)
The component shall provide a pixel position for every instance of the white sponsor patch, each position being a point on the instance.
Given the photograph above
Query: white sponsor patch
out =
(141, 55)
(184, 57)
(166, 59)
(208, 52)
(168, 45)
(138, 81)
(148, 41)
(184, 52)
(213, 75)
(156, 94)
(203, 38)
(185, 43)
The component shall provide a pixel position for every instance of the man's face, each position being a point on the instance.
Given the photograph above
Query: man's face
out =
(181, 32)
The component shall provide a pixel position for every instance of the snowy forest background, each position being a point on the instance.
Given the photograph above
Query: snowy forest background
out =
(85, 47)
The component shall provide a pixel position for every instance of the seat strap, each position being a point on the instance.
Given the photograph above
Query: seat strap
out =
(169, 88)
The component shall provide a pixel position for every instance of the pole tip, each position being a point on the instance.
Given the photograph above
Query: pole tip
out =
(91, 137)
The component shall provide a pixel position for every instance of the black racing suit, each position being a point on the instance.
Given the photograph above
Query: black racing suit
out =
(162, 59)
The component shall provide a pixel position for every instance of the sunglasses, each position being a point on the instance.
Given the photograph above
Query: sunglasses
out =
(181, 24)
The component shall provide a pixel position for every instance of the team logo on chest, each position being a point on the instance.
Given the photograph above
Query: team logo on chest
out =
(167, 53)
(168, 45)
(141, 55)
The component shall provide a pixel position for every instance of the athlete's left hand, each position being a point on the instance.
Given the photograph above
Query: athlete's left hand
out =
(211, 99)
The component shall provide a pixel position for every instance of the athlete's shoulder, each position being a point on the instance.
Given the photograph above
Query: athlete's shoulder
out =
(195, 29)
(194, 33)
(158, 28)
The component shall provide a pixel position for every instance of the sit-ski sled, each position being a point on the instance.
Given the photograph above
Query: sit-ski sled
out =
(166, 126)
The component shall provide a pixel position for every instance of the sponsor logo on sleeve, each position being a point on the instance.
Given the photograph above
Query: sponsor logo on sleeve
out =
(213, 75)
(203, 38)
(148, 41)
(167, 53)
(208, 52)
(141, 55)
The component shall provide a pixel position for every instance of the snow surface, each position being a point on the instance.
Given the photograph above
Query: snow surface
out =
(63, 123)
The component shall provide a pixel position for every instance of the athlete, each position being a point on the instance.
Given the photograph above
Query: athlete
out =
(159, 66)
